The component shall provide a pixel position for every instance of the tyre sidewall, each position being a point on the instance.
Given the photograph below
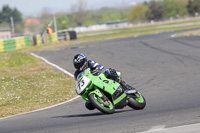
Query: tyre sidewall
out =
(135, 104)
(99, 107)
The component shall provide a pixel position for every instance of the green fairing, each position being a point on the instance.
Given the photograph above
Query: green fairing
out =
(140, 99)
(97, 83)
(120, 98)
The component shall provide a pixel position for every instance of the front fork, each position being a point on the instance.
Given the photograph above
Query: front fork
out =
(97, 92)
(103, 99)
(133, 93)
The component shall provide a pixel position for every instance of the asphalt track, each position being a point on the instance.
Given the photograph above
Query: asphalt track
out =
(165, 70)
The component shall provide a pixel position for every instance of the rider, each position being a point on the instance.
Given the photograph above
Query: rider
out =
(81, 63)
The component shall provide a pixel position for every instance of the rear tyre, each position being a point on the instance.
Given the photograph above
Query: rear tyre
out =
(104, 106)
(137, 103)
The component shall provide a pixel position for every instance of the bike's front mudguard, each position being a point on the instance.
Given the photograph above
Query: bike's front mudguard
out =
(119, 98)
(97, 92)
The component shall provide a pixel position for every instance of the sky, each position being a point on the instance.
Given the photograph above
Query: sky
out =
(35, 7)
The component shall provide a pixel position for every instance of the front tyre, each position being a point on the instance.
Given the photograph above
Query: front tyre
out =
(136, 103)
(103, 105)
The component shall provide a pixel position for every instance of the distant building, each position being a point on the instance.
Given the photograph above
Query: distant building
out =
(31, 26)
(5, 33)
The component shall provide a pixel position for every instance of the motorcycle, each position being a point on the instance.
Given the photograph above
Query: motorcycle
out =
(106, 94)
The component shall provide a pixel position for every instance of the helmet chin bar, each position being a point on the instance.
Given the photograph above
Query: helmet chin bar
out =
(85, 66)
(82, 68)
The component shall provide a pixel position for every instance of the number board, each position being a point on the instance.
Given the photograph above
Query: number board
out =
(81, 84)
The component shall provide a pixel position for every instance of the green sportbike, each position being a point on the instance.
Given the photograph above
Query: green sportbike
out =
(106, 94)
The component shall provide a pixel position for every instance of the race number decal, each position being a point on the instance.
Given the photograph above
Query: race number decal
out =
(81, 84)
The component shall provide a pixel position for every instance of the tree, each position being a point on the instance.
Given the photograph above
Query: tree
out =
(62, 22)
(137, 13)
(193, 7)
(5, 14)
(155, 10)
(106, 14)
(79, 14)
(8, 12)
(45, 18)
(174, 8)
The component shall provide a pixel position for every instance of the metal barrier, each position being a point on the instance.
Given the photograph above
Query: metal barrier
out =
(63, 36)
(67, 35)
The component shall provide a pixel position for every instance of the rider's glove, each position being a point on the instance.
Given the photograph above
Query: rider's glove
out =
(96, 71)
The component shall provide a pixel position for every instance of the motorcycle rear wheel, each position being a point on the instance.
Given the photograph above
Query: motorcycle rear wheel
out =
(101, 105)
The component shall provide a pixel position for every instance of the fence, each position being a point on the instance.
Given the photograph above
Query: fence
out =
(14, 43)
(52, 38)
(22, 42)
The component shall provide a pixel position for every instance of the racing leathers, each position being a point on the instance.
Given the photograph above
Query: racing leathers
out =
(93, 65)
(110, 73)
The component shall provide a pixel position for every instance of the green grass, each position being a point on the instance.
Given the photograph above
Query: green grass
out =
(141, 30)
(189, 33)
(12, 59)
(27, 84)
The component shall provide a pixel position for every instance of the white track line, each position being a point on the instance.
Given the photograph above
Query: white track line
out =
(54, 65)
(59, 68)
(174, 35)
(192, 128)
(40, 109)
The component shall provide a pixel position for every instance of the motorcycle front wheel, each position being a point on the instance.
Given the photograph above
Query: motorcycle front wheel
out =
(101, 104)
(136, 103)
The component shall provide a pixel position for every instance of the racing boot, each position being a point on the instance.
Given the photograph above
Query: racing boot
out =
(89, 106)
(129, 89)
(112, 74)
(124, 85)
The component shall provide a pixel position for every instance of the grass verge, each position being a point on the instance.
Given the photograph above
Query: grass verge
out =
(28, 84)
(189, 33)
(141, 30)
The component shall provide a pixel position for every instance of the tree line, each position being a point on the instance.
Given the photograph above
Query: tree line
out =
(144, 12)
(79, 16)
(165, 9)
(153, 10)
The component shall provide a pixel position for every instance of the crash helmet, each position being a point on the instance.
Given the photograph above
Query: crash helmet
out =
(80, 62)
